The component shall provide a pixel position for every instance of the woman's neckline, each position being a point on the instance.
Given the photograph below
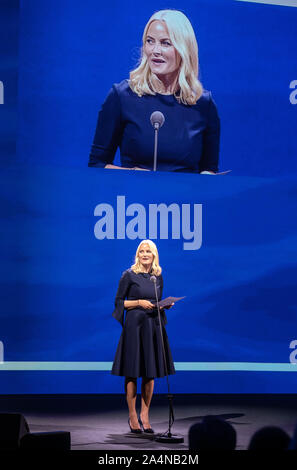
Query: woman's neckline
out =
(165, 94)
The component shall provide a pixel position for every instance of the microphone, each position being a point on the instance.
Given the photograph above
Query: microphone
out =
(157, 120)
(165, 437)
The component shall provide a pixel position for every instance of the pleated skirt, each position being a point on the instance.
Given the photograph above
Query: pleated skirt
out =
(139, 352)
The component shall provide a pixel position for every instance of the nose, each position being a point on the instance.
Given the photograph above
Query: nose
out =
(157, 48)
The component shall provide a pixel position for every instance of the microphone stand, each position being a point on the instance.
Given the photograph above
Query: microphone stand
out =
(166, 436)
(157, 120)
(156, 127)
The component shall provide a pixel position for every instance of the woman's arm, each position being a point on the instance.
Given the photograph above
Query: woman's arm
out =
(208, 163)
(115, 167)
(138, 303)
(122, 291)
(131, 303)
(108, 132)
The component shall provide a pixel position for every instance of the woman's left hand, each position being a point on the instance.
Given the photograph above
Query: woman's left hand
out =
(169, 306)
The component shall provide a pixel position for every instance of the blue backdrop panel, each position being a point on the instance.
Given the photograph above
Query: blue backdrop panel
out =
(59, 281)
(71, 53)
(9, 23)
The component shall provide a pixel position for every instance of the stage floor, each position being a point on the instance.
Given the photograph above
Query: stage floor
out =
(99, 422)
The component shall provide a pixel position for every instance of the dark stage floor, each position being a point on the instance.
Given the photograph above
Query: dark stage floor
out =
(100, 421)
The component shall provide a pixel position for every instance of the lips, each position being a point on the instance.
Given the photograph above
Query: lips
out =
(158, 61)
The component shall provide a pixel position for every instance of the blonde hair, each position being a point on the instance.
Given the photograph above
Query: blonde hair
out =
(188, 88)
(137, 266)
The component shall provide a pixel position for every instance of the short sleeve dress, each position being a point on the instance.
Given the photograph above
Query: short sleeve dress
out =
(188, 141)
(139, 352)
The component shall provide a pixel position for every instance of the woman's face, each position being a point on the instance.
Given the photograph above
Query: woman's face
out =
(162, 56)
(145, 255)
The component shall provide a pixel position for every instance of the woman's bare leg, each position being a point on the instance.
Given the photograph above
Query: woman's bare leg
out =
(131, 394)
(147, 388)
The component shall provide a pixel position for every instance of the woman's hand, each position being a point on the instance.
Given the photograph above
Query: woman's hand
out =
(109, 166)
(169, 306)
(145, 304)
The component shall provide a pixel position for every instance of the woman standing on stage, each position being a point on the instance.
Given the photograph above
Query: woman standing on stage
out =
(139, 352)
(165, 80)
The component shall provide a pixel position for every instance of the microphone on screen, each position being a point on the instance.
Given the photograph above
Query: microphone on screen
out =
(153, 279)
(157, 120)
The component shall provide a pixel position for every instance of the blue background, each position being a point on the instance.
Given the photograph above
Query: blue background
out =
(58, 282)
(9, 27)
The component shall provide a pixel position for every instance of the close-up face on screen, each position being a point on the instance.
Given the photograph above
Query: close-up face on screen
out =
(148, 224)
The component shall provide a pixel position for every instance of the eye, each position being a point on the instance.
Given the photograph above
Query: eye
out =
(149, 41)
(166, 43)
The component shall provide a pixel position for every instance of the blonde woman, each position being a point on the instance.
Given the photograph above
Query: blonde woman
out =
(139, 352)
(165, 80)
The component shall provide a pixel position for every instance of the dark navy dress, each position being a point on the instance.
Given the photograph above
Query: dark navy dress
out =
(188, 140)
(139, 352)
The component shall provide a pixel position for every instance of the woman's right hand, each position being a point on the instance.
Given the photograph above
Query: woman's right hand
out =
(145, 304)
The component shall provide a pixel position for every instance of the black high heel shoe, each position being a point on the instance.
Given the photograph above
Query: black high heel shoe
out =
(147, 430)
(135, 431)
